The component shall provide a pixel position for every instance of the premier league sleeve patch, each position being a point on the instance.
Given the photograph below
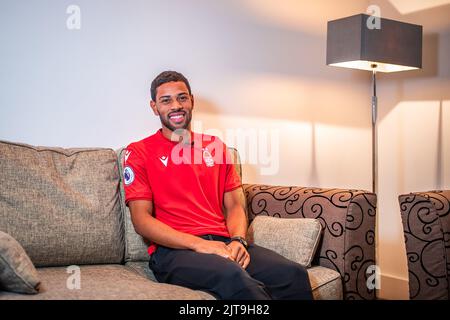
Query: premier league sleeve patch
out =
(128, 175)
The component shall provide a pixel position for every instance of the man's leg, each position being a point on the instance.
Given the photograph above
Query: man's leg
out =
(208, 272)
(283, 278)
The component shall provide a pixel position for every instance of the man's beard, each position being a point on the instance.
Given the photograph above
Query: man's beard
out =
(166, 121)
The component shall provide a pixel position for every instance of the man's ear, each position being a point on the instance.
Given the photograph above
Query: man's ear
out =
(153, 106)
(193, 101)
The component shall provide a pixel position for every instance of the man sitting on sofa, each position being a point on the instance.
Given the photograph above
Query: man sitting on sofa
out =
(186, 197)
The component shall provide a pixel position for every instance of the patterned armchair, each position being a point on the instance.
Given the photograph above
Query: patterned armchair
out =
(348, 221)
(426, 226)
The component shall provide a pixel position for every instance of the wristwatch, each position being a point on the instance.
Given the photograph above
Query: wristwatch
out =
(241, 240)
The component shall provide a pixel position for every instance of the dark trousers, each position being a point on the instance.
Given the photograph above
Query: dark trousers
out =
(268, 275)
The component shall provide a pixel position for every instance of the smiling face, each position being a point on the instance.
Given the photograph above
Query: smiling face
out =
(173, 105)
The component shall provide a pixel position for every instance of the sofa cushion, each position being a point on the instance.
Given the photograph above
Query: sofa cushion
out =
(296, 239)
(17, 272)
(326, 284)
(62, 205)
(143, 269)
(102, 282)
(135, 246)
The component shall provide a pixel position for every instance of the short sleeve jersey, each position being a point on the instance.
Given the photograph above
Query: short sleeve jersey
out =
(185, 182)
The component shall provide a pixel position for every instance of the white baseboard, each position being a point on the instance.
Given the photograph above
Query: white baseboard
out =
(393, 288)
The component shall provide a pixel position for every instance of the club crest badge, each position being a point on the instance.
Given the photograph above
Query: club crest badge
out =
(207, 157)
(128, 176)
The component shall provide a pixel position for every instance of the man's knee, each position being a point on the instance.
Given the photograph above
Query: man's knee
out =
(294, 272)
(236, 283)
(232, 272)
(234, 278)
(300, 270)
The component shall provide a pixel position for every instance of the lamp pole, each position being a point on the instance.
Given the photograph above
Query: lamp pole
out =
(374, 131)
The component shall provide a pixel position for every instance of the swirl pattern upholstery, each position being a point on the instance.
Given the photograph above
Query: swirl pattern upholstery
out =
(348, 221)
(426, 227)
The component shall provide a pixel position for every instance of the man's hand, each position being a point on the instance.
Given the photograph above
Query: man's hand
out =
(213, 247)
(236, 219)
(239, 253)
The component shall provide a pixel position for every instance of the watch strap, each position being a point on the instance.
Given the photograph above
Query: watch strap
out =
(241, 240)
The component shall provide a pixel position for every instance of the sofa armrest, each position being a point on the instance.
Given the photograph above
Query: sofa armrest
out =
(348, 221)
(426, 227)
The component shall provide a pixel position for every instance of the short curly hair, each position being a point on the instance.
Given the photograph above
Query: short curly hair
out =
(164, 77)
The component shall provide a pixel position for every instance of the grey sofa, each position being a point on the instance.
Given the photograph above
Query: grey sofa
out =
(426, 226)
(66, 207)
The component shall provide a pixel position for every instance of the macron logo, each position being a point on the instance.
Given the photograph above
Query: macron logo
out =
(164, 160)
(127, 154)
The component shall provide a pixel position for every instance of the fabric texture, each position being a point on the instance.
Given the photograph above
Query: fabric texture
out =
(348, 223)
(294, 239)
(136, 246)
(326, 283)
(61, 205)
(426, 227)
(17, 272)
(143, 269)
(102, 282)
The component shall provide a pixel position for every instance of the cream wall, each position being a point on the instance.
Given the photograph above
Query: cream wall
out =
(252, 65)
(414, 135)
(255, 65)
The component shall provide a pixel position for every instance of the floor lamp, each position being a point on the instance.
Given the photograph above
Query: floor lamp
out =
(383, 45)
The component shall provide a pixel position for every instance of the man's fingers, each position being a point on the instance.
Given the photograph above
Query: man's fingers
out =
(246, 261)
(241, 256)
(230, 254)
(226, 256)
(233, 253)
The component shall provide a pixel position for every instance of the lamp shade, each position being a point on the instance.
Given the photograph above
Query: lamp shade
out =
(395, 46)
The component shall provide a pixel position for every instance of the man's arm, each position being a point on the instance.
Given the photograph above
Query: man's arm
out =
(156, 231)
(236, 219)
(235, 215)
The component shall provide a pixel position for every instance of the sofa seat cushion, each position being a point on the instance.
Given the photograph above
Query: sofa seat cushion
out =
(143, 269)
(102, 282)
(326, 283)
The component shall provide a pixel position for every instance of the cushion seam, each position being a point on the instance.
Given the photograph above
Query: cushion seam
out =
(127, 255)
(315, 245)
(52, 150)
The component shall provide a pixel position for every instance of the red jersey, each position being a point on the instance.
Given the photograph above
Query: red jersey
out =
(185, 182)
